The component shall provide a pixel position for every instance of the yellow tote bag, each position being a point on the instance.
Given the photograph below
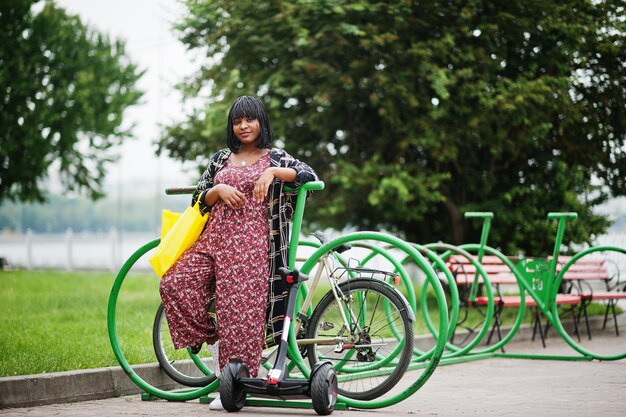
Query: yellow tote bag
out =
(178, 239)
(168, 219)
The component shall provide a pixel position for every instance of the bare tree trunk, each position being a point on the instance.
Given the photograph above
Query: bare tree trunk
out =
(457, 223)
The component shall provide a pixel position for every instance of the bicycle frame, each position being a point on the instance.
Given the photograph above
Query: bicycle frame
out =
(309, 299)
(333, 280)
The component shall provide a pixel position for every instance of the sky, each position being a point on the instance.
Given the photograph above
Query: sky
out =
(146, 28)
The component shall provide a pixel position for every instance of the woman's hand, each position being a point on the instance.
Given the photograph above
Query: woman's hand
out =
(232, 197)
(262, 185)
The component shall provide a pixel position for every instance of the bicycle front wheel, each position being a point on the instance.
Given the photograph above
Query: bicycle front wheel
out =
(366, 333)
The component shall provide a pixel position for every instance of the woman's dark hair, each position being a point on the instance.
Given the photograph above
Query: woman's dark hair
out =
(248, 106)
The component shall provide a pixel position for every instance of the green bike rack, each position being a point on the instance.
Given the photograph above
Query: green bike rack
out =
(539, 279)
(456, 351)
(454, 310)
(442, 307)
(176, 395)
(557, 322)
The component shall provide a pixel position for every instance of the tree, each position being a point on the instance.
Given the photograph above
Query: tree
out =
(426, 109)
(63, 91)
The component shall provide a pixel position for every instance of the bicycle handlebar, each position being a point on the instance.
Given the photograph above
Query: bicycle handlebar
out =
(180, 190)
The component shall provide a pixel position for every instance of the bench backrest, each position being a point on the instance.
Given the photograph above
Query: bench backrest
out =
(499, 273)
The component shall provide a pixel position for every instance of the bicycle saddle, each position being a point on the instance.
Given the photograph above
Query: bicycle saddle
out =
(323, 239)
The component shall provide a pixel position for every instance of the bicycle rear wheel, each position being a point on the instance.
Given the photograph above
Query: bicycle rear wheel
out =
(372, 354)
(177, 364)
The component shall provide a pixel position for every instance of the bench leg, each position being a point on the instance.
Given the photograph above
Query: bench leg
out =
(500, 331)
(606, 315)
(546, 327)
(583, 310)
(459, 323)
(500, 338)
(539, 327)
(496, 325)
(534, 328)
(543, 332)
(575, 318)
(613, 303)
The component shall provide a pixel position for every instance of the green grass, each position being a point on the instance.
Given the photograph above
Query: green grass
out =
(56, 321)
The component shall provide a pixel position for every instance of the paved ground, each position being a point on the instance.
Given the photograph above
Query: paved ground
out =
(492, 387)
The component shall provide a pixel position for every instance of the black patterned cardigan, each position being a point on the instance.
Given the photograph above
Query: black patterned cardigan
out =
(280, 212)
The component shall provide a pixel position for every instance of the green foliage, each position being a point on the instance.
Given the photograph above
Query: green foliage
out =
(415, 112)
(63, 91)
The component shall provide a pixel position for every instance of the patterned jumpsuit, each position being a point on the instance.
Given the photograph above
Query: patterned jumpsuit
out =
(230, 261)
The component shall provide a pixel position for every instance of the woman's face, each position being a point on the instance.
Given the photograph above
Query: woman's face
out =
(247, 130)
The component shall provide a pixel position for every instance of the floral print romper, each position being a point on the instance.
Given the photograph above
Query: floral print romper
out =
(230, 261)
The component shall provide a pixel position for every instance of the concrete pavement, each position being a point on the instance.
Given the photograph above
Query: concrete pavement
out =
(491, 387)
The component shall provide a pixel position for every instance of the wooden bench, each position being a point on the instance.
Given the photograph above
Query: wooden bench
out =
(464, 271)
(594, 269)
(575, 286)
(499, 274)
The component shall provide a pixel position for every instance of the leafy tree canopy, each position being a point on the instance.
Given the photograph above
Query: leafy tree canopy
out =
(415, 112)
(63, 91)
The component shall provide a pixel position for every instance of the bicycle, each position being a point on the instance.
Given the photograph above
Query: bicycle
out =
(351, 326)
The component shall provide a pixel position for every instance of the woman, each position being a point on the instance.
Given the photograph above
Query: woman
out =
(238, 254)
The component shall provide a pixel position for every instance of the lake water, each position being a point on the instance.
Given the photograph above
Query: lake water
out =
(106, 251)
(101, 251)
